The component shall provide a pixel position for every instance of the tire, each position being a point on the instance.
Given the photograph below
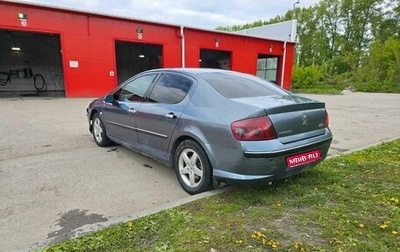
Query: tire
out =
(39, 82)
(192, 167)
(99, 132)
(4, 78)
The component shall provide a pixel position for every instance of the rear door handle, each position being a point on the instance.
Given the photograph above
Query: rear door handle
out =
(170, 115)
(131, 110)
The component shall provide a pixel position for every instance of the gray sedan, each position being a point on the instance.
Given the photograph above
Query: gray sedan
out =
(213, 125)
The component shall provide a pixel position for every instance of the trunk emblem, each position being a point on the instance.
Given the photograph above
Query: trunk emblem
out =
(304, 119)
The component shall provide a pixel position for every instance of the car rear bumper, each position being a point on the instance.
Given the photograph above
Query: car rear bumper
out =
(271, 165)
(287, 151)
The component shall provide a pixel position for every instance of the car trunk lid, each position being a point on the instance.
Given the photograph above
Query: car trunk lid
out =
(294, 117)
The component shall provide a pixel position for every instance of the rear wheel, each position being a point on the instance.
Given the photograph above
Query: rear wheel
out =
(99, 132)
(192, 167)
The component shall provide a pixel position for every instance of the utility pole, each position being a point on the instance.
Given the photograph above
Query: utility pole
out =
(296, 3)
(297, 41)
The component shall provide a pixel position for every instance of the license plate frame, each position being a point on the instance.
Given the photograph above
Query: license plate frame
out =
(303, 158)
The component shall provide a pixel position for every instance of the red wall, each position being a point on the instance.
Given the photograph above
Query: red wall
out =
(245, 51)
(89, 39)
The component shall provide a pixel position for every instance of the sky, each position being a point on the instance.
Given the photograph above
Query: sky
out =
(205, 14)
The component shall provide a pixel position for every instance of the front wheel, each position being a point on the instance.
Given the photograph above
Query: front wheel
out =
(99, 132)
(192, 167)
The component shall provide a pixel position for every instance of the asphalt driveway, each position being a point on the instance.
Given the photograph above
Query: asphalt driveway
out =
(55, 182)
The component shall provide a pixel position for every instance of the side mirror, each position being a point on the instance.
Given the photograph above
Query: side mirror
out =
(109, 99)
(123, 106)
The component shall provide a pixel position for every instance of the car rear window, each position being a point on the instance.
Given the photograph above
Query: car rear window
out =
(234, 86)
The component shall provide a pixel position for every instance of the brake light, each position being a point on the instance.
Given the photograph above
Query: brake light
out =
(326, 123)
(253, 129)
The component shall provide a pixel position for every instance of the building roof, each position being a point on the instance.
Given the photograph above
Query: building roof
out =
(86, 12)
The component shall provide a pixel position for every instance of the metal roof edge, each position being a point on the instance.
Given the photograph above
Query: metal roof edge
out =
(128, 18)
(274, 24)
(83, 11)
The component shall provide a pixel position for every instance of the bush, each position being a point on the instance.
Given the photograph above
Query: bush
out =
(377, 71)
(380, 69)
(307, 76)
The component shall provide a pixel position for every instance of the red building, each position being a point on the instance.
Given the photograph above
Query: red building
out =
(80, 54)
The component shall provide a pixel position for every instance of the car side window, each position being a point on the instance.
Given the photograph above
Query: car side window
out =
(135, 90)
(170, 89)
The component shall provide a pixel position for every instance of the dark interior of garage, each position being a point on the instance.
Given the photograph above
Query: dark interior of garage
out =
(30, 64)
(215, 59)
(133, 58)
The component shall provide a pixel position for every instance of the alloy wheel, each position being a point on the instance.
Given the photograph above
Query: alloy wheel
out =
(190, 167)
(97, 130)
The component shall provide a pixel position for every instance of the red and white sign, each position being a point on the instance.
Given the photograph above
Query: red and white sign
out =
(304, 158)
(24, 22)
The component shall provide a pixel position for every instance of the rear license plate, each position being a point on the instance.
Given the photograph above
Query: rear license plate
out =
(304, 158)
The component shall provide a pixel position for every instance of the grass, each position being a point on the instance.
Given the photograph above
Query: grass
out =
(317, 91)
(331, 91)
(347, 203)
(318, 88)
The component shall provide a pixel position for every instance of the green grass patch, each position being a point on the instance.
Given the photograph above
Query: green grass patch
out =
(347, 203)
(332, 91)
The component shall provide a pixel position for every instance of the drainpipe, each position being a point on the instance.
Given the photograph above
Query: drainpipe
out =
(283, 64)
(183, 46)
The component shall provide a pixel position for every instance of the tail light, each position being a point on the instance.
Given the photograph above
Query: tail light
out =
(326, 123)
(253, 129)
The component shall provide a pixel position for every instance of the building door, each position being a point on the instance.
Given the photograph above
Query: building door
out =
(30, 64)
(215, 59)
(133, 58)
(267, 67)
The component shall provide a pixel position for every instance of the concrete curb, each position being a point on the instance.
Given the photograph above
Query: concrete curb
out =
(363, 148)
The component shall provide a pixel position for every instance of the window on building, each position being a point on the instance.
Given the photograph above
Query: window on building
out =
(267, 68)
(215, 59)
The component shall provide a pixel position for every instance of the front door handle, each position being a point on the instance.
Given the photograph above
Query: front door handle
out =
(170, 115)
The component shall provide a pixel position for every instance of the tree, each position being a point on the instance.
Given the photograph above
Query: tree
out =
(380, 70)
(351, 41)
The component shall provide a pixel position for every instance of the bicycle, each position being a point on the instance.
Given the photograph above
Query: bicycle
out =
(39, 82)
(4, 78)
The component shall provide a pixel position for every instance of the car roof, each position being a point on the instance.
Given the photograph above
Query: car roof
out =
(194, 71)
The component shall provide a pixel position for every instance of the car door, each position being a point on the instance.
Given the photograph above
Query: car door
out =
(120, 115)
(156, 119)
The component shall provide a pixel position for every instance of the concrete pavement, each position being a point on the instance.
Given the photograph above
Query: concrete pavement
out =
(56, 183)
(358, 120)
